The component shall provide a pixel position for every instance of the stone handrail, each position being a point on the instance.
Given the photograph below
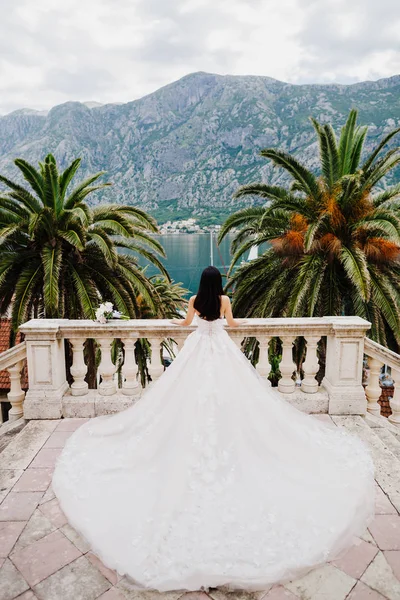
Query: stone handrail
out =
(378, 356)
(50, 396)
(12, 360)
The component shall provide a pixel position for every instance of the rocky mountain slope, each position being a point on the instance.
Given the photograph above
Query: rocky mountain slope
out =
(189, 145)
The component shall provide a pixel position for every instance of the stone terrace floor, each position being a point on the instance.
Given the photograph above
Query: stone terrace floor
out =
(43, 558)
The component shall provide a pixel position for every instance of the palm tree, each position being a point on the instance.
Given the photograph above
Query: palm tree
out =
(333, 238)
(59, 257)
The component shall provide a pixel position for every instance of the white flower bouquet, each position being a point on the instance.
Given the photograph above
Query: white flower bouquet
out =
(106, 311)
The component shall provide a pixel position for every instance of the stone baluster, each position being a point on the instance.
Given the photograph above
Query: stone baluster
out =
(395, 401)
(373, 389)
(287, 366)
(237, 338)
(156, 368)
(130, 384)
(107, 386)
(78, 369)
(179, 341)
(310, 366)
(16, 395)
(263, 366)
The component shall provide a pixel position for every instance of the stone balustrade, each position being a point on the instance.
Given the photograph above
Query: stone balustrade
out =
(12, 360)
(378, 356)
(51, 396)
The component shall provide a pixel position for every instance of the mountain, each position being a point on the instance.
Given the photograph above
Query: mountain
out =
(188, 146)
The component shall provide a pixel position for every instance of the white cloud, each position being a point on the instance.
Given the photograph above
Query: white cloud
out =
(119, 50)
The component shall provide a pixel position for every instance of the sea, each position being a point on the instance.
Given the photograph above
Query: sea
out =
(188, 254)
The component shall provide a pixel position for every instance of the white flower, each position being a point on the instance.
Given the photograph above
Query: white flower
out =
(104, 312)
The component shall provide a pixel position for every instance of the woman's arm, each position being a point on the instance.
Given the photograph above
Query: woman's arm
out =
(189, 315)
(228, 313)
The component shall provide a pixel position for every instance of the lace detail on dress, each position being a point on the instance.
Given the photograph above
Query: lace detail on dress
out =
(212, 480)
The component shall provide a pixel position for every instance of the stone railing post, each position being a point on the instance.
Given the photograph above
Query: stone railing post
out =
(395, 401)
(46, 369)
(156, 368)
(130, 384)
(78, 369)
(310, 366)
(373, 390)
(107, 386)
(16, 394)
(344, 365)
(263, 366)
(287, 366)
(237, 338)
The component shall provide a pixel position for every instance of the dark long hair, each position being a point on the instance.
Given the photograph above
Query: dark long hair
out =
(208, 298)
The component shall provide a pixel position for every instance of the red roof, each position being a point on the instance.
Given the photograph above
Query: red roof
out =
(5, 329)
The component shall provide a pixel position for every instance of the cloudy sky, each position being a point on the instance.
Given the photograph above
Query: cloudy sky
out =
(119, 50)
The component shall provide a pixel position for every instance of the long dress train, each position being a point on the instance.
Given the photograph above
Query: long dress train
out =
(211, 480)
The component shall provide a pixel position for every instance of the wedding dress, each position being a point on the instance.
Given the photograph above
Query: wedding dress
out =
(210, 479)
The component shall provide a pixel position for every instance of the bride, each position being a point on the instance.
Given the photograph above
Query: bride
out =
(210, 479)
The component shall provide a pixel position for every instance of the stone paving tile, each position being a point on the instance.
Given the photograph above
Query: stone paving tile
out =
(70, 424)
(57, 439)
(383, 506)
(110, 574)
(80, 576)
(75, 538)
(48, 495)
(362, 592)
(37, 527)
(8, 478)
(367, 537)
(195, 596)
(325, 419)
(44, 557)
(29, 595)
(261, 593)
(223, 593)
(386, 531)
(46, 457)
(113, 594)
(280, 593)
(393, 558)
(53, 512)
(23, 448)
(387, 470)
(33, 480)
(138, 594)
(11, 581)
(19, 506)
(356, 559)
(379, 576)
(9, 533)
(326, 582)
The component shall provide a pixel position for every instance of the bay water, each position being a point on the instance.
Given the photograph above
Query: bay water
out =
(188, 254)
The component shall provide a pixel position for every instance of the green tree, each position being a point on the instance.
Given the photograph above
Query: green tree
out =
(59, 257)
(333, 238)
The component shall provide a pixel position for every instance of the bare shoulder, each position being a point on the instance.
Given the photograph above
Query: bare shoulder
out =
(192, 299)
(225, 300)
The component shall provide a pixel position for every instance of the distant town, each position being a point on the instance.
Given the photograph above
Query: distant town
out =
(186, 226)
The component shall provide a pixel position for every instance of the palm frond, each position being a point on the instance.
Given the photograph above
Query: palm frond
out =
(346, 142)
(377, 150)
(51, 263)
(306, 180)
